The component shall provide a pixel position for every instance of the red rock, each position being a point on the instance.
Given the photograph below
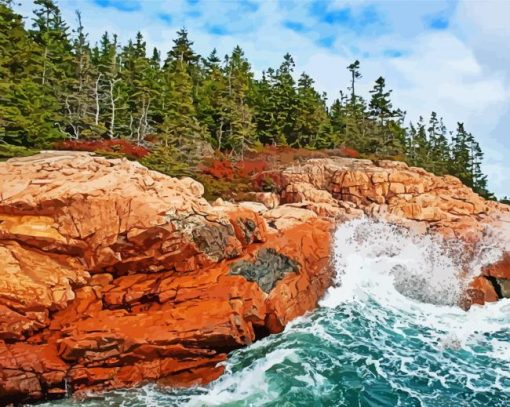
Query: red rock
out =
(112, 275)
(484, 291)
(501, 269)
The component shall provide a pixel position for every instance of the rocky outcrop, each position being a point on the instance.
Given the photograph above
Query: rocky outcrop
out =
(387, 189)
(342, 189)
(112, 275)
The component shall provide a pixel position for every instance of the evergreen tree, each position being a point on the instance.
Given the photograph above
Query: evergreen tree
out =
(236, 113)
(284, 101)
(182, 51)
(139, 76)
(388, 133)
(357, 127)
(263, 100)
(313, 128)
(439, 158)
(110, 90)
(180, 128)
(418, 146)
(338, 117)
(460, 164)
(210, 104)
(478, 179)
(29, 111)
(354, 69)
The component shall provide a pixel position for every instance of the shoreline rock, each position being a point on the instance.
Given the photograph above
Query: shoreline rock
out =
(112, 275)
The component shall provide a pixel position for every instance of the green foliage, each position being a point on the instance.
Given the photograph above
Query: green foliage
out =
(166, 160)
(54, 85)
(9, 151)
(505, 200)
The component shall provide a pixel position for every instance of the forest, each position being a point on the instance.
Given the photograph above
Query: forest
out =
(56, 87)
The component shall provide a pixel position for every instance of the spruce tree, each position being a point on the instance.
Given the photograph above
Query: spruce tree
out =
(180, 127)
(439, 149)
(263, 100)
(29, 110)
(237, 114)
(418, 146)
(388, 133)
(357, 126)
(284, 101)
(313, 128)
(210, 103)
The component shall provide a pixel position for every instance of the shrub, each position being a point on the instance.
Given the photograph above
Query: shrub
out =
(122, 148)
(9, 151)
(166, 160)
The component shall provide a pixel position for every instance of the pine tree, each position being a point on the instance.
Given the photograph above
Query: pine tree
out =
(210, 103)
(80, 97)
(354, 69)
(338, 118)
(263, 100)
(110, 90)
(182, 51)
(28, 110)
(313, 128)
(439, 149)
(357, 127)
(460, 159)
(284, 101)
(478, 179)
(180, 128)
(388, 135)
(50, 32)
(139, 75)
(237, 114)
(418, 146)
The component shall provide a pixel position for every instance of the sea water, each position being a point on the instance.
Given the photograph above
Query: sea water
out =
(387, 333)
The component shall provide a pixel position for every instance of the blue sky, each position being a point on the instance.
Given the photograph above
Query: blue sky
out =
(450, 56)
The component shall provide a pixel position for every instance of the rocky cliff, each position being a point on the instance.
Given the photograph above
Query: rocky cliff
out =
(112, 275)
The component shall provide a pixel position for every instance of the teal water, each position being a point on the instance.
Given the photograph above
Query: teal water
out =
(387, 334)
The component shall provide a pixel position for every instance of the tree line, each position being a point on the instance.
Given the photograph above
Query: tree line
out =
(56, 85)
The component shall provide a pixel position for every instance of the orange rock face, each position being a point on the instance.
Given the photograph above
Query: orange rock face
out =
(500, 269)
(481, 291)
(112, 275)
(389, 190)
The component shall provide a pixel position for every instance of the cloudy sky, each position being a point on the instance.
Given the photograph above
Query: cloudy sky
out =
(448, 56)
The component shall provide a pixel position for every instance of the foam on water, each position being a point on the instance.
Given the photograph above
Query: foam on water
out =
(387, 333)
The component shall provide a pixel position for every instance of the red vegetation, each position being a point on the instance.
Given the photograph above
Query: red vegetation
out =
(123, 147)
(220, 169)
(226, 178)
(348, 152)
(225, 169)
(248, 168)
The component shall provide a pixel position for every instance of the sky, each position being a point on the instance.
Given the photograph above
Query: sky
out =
(448, 56)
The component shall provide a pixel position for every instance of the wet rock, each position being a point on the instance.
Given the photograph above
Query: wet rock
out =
(504, 287)
(500, 269)
(268, 268)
